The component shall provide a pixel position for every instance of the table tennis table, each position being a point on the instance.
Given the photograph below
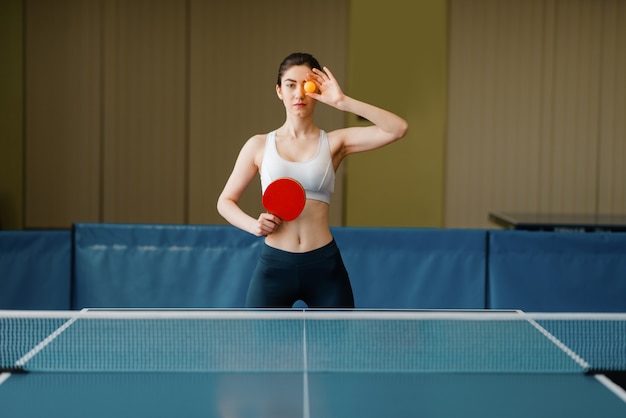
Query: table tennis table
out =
(310, 364)
(559, 222)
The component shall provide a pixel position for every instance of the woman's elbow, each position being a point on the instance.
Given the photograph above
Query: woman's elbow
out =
(402, 129)
(221, 205)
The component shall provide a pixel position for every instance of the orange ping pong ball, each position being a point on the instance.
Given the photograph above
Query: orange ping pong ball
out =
(310, 87)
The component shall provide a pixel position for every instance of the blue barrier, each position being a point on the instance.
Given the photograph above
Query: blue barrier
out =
(35, 269)
(405, 268)
(161, 266)
(168, 266)
(557, 271)
(122, 266)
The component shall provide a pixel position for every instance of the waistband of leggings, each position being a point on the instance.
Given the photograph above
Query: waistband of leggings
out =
(327, 250)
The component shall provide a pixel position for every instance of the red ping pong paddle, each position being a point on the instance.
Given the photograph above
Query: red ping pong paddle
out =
(285, 198)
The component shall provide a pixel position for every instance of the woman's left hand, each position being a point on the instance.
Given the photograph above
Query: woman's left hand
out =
(328, 90)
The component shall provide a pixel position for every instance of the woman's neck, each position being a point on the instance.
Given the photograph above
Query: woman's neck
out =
(298, 129)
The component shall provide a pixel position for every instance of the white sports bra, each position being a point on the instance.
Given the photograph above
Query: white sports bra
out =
(316, 175)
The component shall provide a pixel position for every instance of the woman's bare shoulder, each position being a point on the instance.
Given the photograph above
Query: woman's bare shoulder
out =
(253, 149)
(256, 141)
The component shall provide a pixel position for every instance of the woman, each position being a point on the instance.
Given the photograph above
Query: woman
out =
(299, 259)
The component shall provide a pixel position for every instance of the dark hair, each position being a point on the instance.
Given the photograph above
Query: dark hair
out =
(297, 58)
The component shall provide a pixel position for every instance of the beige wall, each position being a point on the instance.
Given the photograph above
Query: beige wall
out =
(11, 118)
(537, 106)
(398, 61)
(136, 109)
(63, 113)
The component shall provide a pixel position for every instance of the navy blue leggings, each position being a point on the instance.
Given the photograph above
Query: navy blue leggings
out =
(318, 278)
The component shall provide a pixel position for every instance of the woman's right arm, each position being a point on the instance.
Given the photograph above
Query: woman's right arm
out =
(245, 169)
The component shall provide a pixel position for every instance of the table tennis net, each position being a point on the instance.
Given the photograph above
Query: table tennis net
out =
(311, 341)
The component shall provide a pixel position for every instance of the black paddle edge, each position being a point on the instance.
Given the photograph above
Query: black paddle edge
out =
(616, 376)
(13, 370)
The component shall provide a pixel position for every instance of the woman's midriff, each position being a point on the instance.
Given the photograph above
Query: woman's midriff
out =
(308, 232)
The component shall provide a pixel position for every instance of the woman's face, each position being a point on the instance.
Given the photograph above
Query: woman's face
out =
(291, 91)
